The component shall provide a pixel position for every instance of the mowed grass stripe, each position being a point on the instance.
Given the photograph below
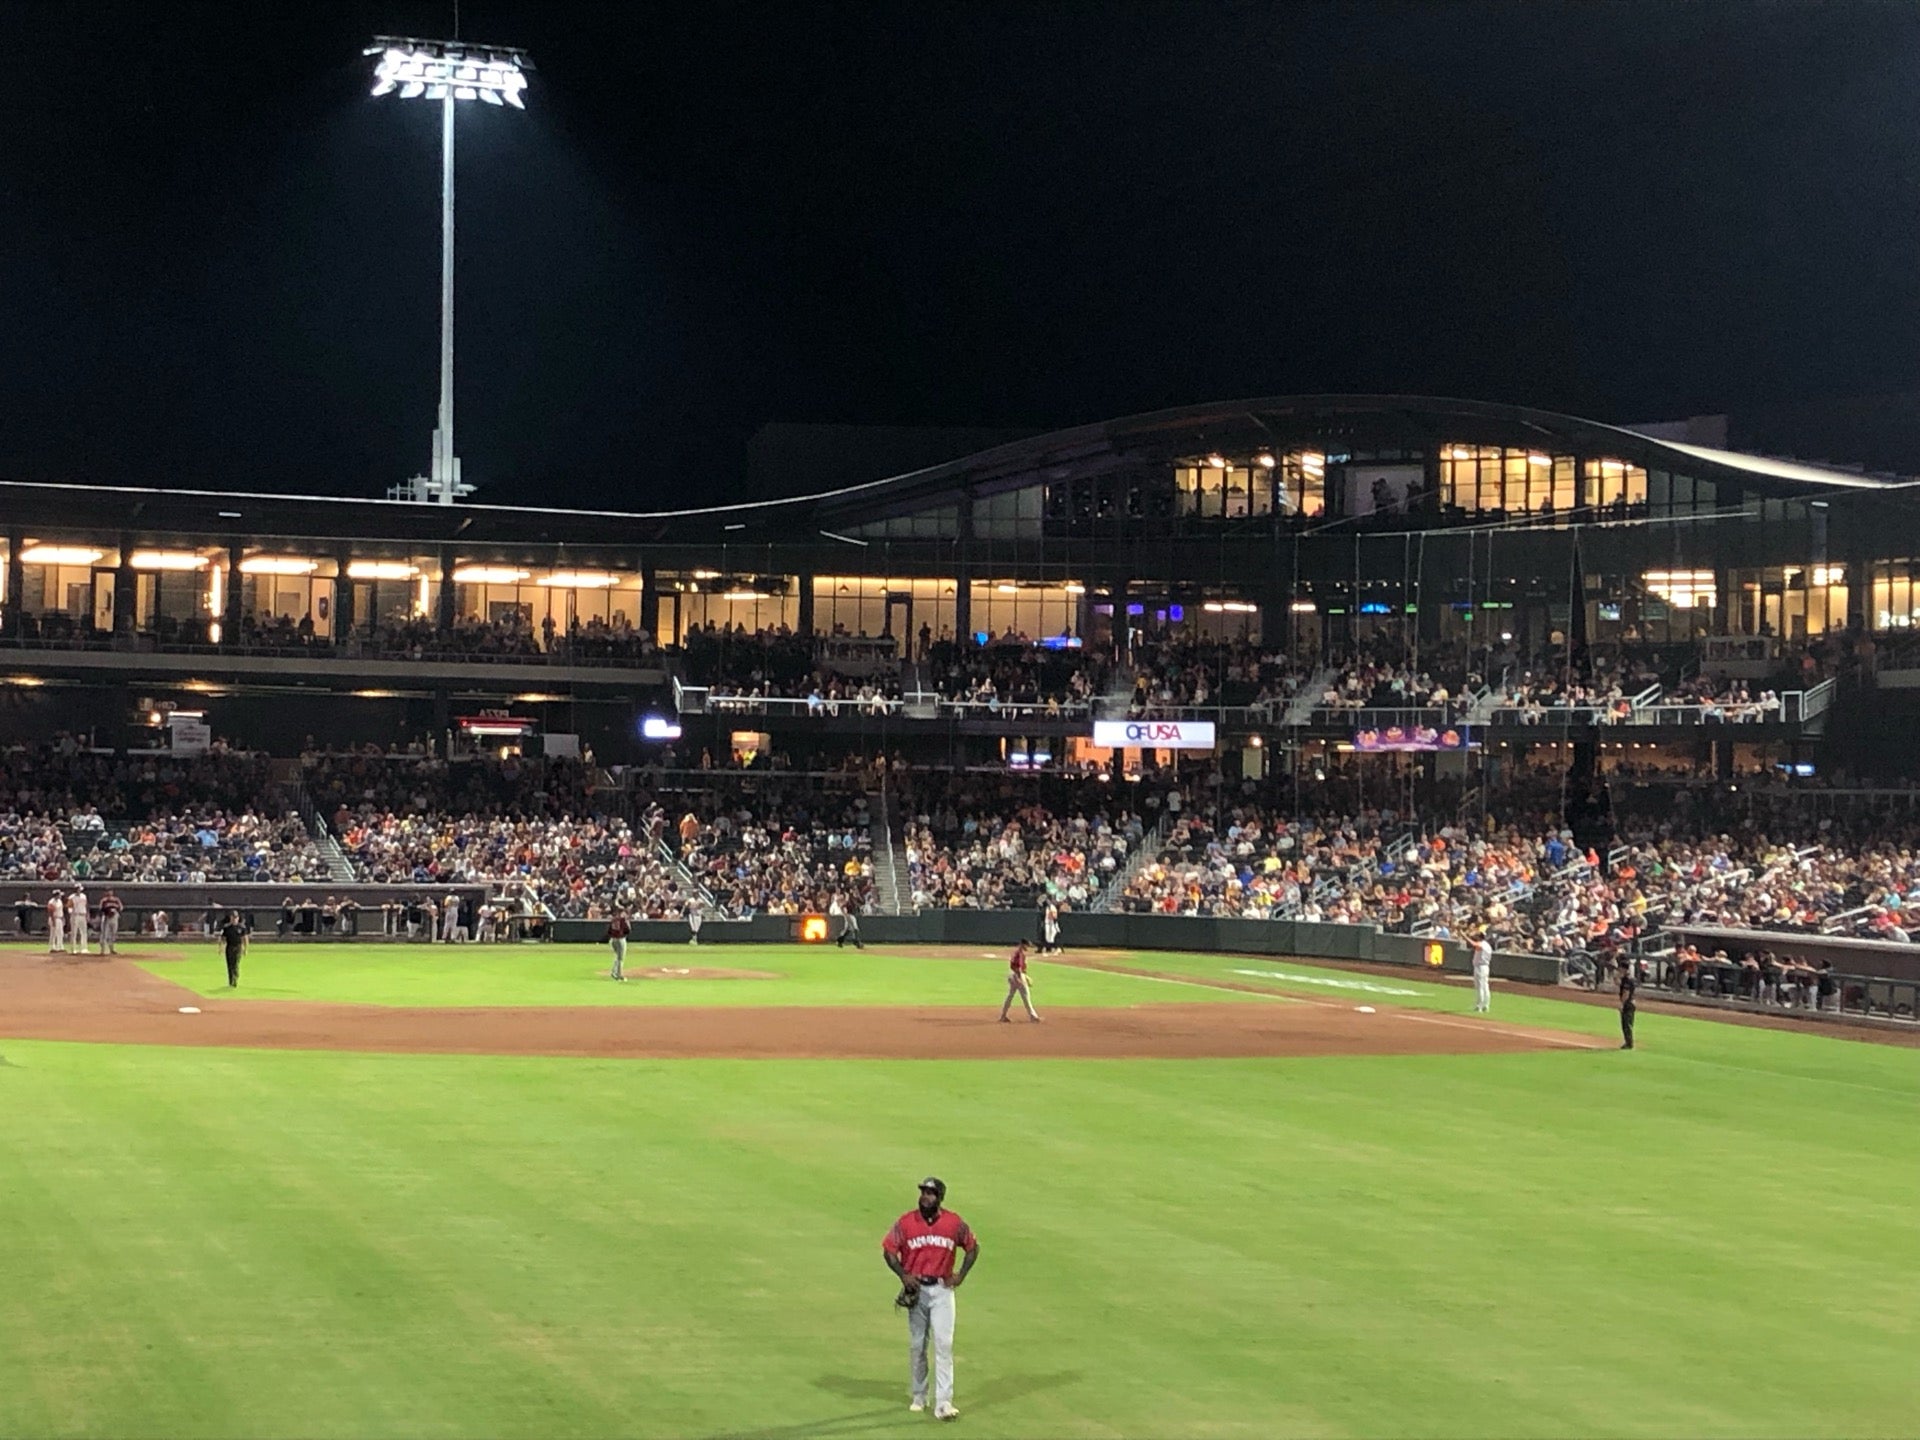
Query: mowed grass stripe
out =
(1552, 1244)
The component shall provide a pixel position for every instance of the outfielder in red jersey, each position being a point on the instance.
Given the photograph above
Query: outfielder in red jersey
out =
(920, 1249)
(1018, 983)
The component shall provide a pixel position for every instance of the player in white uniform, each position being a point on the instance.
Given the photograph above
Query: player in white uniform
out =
(56, 923)
(1482, 975)
(77, 920)
(1050, 929)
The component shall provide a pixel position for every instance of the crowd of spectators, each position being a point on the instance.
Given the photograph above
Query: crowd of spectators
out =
(988, 842)
(417, 782)
(778, 845)
(1172, 673)
(200, 846)
(1010, 675)
(575, 867)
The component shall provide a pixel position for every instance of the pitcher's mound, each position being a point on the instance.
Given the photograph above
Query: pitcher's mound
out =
(700, 972)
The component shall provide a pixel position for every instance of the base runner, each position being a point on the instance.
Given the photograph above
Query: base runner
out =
(919, 1249)
(1019, 983)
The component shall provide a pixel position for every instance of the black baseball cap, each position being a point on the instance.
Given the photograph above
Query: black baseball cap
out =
(935, 1184)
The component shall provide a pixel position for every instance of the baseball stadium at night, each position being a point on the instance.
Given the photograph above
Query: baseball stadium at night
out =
(1352, 914)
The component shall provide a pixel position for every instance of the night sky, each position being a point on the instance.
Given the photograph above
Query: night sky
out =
(219, 256)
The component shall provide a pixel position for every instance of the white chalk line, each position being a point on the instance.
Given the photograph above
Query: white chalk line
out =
(1365, 985)
(1548, 1037)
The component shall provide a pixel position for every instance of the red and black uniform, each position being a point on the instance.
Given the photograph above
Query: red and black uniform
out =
(925, 1249)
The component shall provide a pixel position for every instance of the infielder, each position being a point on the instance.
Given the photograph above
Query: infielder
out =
(110, 907)
(1019, 984)
(1482, 975)
(694, 921)
(56, 923)
(919, 1249)
(618, 928)
(77, 920)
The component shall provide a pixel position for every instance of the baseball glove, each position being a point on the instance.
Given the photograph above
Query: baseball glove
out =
(909, 1292)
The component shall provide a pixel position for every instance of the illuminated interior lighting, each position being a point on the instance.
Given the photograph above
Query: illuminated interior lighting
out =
(489, 575)
(1543, 461)
(59, 555)
(1074, 587)
(1218, 462)
(745, 595)
(277, 565)
(579, 580)
(381, 570)
(166, 560)
(1266, 460)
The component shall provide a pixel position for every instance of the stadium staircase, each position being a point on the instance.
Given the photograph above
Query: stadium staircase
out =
(917, 700)
(1118, 699)
(687, 881)
(1144, 854)
(296, 797)
(892, 887)
(1307, 698)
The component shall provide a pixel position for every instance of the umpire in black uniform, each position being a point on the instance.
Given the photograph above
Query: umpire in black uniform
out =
(233, 935)
(1629, 986)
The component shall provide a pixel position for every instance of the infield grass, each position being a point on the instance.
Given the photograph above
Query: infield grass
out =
(1712, 1236)
(526, 975)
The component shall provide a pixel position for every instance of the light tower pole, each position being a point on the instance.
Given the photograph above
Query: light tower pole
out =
(448, 71)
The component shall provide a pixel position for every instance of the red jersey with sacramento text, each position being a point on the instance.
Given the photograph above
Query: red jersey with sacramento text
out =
(926, 1251)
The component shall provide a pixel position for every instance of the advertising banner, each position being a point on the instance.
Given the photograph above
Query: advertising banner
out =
(1412, 737)
(1154, 734)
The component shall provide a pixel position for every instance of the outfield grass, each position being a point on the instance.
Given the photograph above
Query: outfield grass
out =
(1711, 1236)
(448, 975)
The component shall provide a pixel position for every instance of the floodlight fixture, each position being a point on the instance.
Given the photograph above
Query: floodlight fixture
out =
(448, 71)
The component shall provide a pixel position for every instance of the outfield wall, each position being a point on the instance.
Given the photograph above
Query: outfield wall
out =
(1005, 928)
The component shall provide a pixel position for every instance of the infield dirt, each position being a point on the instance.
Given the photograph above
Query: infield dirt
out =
(111, 1000)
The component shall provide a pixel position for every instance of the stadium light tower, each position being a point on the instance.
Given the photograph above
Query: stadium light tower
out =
(448, 71)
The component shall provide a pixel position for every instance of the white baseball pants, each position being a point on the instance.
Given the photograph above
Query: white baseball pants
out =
(619, 947)
(1482, 990)
(931, 1318)
(1021, 989)
(109, 933)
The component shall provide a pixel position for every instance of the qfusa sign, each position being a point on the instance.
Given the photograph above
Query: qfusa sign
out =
(1154, 734)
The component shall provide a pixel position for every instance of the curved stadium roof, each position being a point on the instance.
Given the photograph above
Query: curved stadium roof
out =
(1329, 421)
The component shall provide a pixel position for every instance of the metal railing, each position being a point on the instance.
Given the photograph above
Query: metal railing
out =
(352, 647)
